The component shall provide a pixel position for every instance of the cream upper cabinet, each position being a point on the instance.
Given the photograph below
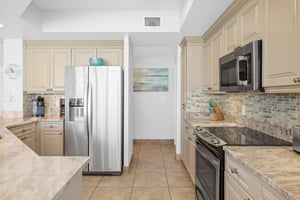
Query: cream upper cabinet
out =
(231, 35)
(281, 43)
(216, 53)
(206, 75)
(250, 17)
(112, 57)
(45, 69)
(59, 58)
(81, 56)
(37, 70)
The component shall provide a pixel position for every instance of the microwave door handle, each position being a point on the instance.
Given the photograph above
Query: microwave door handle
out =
(238, 70)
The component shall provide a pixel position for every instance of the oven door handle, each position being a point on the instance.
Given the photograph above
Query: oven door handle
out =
(215, 162)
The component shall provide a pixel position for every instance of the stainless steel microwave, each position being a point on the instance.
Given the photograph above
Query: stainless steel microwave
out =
(241, 70)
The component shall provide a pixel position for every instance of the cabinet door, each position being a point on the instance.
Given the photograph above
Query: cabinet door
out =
(233, 191)
(80, 57)
(206, 75)
(52, 144)
(279, 48)
(29, 140)
(231, 35)
(250, 21)
(216, 53)
(192, 159)
(112, 57)
(37, 70)
(59, 58)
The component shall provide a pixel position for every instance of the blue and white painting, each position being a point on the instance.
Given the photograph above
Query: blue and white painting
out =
(150, 79)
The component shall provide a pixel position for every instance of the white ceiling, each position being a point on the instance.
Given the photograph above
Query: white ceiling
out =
(196, 17)
(59, 5)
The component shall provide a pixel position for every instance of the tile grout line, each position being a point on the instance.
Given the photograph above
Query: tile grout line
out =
(95, 188)
(137, 160)
(166, 174)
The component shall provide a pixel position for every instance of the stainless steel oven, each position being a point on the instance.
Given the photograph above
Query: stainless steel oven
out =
(209, 172)
(210, 155)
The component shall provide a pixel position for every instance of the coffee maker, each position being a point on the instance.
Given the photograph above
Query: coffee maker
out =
(40, 106)
(62, 107)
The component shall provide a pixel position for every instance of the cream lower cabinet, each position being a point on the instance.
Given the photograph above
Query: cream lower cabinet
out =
(51, 134)
(189, 152)
(27, 134)
(242, 184)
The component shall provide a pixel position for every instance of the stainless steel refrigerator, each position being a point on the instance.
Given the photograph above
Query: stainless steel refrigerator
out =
(93, 117)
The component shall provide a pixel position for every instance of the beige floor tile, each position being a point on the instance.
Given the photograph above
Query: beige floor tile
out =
(108, 193)
(90, 181)
(150, 157)
(179, 179)
(169, 157)
(150, 179)
(150, 148)
(87, 192)
(168, 149)
(175, 166)
(126, 180)
(183, 193)
(150, 194)
(149, 166)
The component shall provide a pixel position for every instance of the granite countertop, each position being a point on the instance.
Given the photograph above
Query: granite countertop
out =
(210, 123)
(279, 167)
(25, 175)
(10, 122)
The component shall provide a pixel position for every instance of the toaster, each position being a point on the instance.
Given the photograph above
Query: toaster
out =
(296, 138)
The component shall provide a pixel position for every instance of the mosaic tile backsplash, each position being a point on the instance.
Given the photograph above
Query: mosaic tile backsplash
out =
(51, 104)
(275, 114)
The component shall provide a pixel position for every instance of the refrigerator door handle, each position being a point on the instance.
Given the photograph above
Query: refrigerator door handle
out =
(86, 99)
(90, 110)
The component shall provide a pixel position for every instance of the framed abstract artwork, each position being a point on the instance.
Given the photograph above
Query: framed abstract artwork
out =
(150, 79)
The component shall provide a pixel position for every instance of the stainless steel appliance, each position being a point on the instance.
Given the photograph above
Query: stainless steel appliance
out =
(62, 107)
(296, 138)
(209, 180)
(40, 112)
(241, 70)
(93, 117)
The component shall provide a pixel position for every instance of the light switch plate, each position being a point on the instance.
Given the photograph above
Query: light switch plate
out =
(244, 112)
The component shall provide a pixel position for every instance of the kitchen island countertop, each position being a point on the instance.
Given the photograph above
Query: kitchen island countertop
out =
(277, 166)
(26, 175)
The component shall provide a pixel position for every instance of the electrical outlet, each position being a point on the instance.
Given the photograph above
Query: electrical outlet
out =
(244, 112)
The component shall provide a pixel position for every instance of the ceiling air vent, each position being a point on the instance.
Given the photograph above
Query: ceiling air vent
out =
(152, 21)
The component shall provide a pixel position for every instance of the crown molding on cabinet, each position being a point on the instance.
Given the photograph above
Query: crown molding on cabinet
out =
(227, 14)
(74, 44)
(192, 41)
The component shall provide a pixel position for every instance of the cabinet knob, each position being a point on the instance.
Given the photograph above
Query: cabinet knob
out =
(209, 88)
(23, 130)
(234, 170)
(296, 80)
(51, 126)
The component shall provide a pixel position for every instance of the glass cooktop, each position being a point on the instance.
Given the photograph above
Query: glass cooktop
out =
(241, 136)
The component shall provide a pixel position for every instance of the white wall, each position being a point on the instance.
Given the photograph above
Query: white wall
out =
(154, 113)
(13, 88)
(1, 77)
(128, 136)
(108, 21)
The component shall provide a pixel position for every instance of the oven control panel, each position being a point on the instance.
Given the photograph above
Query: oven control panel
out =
(209, 138)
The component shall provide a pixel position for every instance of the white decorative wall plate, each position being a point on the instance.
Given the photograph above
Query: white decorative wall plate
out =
(13, 71)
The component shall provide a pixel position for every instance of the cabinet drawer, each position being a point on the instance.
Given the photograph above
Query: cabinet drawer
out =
(237, 172)
(51, 126)
(22, 130)
(242, 176)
